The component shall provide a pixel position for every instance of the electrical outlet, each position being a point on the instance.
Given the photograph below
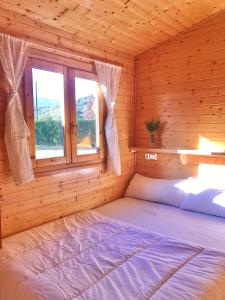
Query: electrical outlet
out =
(150, 156)
(147, 157)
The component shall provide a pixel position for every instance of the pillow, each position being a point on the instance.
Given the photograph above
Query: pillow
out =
(156, 190)
(207, 200)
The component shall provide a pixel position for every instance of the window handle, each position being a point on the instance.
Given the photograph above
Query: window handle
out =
(73, 127)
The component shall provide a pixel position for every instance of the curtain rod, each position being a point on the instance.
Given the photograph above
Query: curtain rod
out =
(74, 54)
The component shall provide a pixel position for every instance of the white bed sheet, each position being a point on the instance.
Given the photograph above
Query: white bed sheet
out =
(91, 257)
(204, 230)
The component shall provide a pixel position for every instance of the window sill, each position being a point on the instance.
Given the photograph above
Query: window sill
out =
(87, 168)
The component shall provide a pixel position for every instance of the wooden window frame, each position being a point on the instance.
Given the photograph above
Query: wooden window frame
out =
(70, 159)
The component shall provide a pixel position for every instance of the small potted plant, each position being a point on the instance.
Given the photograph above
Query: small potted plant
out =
(152, 126)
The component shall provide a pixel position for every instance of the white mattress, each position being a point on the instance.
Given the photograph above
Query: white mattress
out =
(204, 230)
(88, 256)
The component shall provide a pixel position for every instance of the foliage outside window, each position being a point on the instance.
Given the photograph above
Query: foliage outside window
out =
(64, 113)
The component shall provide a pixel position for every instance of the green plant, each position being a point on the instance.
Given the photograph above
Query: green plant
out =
(152, 126)
(49, 132)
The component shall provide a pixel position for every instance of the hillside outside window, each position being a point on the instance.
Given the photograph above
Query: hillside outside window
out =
(64, 112)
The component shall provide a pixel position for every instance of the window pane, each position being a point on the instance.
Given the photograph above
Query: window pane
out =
(48, 94)
(87, 116)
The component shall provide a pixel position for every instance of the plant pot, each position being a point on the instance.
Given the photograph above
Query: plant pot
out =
(152, 139)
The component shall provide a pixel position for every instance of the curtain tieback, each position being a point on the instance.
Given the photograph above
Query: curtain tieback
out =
(110, 114)
(12, 94)
(111, 117)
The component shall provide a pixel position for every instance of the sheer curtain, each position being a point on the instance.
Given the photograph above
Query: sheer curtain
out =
(109, 76)
(13, 55)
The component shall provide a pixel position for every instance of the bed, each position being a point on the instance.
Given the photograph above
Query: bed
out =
(127, 249)
(201, 229)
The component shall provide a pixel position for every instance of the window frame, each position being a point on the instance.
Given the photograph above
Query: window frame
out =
(70, 159)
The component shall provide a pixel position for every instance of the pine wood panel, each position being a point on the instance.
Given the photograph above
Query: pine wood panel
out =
(173, 166)
(182, 82)
(56, 194)
(120, 25)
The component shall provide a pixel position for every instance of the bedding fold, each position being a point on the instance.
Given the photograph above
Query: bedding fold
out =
(89, 256)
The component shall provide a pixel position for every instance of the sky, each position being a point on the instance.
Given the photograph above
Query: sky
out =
(51, 85)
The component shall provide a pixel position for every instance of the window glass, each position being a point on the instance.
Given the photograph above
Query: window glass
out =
(48, 97)
(87, 116)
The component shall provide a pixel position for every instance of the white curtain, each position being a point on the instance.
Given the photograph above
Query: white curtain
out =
(13, 55)
(109, 76)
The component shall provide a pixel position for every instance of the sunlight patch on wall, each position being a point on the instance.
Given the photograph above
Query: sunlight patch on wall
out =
(208, 176)
(220, 200)
(205, 145)
(213, 175)
(189, 184)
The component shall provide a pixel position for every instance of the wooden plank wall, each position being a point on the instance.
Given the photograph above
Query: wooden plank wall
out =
(182, 82)
(56, 195)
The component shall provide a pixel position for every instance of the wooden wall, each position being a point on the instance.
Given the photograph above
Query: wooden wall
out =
(56, 195)
(182, 82)
(174, 166)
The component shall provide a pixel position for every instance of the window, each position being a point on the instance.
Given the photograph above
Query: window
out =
(64, 111)
(86, 92)
(49, 114)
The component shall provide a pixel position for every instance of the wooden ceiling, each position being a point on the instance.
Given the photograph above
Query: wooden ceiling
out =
(131, 26)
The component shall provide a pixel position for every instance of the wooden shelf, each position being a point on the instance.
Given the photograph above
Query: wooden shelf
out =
(177, 151)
